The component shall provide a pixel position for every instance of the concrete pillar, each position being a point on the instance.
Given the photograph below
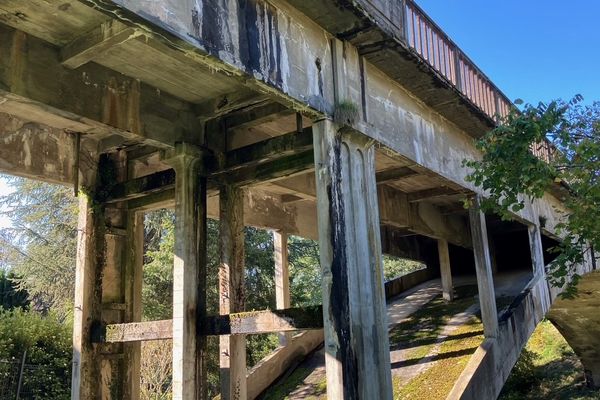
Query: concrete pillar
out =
(108, 290)
(355, 321)
(493, 255)
(85, 382)
(189, 274)
(537, 261)
(282, 278)
(445, 270)
(133, 278)
(536, 249)
(231, 291)
(483, 267)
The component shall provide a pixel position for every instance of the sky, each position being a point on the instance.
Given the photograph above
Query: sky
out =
(531, 49)
(4, 190)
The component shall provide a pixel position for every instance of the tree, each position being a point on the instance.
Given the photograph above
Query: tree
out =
(570, 131)
(48, 346)
(11, 296)
(40, 245)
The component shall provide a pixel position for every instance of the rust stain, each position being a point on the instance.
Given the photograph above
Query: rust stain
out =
(17, 56)
(134, 123)
(112, 104)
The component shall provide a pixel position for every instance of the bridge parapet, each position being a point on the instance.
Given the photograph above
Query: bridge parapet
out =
(489, 368)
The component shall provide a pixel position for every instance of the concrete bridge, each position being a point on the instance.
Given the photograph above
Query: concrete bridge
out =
(343, 121)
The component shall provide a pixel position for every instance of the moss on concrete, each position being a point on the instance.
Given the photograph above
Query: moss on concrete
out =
(284, 388)
(437, 381)
(547, 368)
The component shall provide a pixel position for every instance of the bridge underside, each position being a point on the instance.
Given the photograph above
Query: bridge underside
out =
(256, 114)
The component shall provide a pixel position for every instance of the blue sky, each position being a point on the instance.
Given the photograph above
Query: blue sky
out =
(531, 49)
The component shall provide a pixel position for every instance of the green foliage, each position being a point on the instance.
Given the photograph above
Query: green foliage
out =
(10, 295)
(305, 272)
(509, 170)
(345, 112)
(40, 246)
(547, 368)
(47, 341)
(157, 288)
(394, 267)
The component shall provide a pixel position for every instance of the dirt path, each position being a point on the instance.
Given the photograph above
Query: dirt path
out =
(420, 343)
(311, 373)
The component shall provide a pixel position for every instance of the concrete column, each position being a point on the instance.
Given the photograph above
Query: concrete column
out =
(282, 278)
(483, 267)
(537, 261)
(445, 270)
(189, 274)
(133, 277)
(85, 382)
(102, 283)
(231, 291)
(536, 249)
(354, 312)
(493, 255)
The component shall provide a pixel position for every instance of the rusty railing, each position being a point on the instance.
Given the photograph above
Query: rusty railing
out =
(432, 45)
(440, 52)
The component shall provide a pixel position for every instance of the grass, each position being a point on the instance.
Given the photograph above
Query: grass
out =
(547, 368)
(419, 335)
(282, 389)
(437, 381)
(419, 332)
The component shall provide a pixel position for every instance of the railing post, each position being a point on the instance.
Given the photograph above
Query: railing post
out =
(459, 83)
(404, 19)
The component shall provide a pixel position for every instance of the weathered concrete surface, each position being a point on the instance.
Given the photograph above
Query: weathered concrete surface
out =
(92, 99)
(263, 374)
(490, 366)
(189, 275)
(356, 341)
(578, 320)
(36, 151)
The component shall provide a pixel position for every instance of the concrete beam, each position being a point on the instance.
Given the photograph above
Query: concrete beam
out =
(92, 100)
(137, 332)
(91, 45)
(422, 218)
(36, 151)
(394, 174)
(256, 116)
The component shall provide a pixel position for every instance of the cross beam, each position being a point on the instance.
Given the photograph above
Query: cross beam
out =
(271, 159)
(254, 322)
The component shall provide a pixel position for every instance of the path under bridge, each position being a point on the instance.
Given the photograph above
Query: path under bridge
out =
(342, 121)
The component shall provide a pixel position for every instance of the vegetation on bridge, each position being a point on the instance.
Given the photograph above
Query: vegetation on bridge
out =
(569, 133)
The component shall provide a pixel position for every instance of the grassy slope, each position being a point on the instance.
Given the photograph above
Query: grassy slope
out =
(547, 369)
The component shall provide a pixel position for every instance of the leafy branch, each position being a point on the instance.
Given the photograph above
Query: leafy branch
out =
(510, 172)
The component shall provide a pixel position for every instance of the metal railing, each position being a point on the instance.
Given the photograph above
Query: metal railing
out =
(445, 57)
(433, 46)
